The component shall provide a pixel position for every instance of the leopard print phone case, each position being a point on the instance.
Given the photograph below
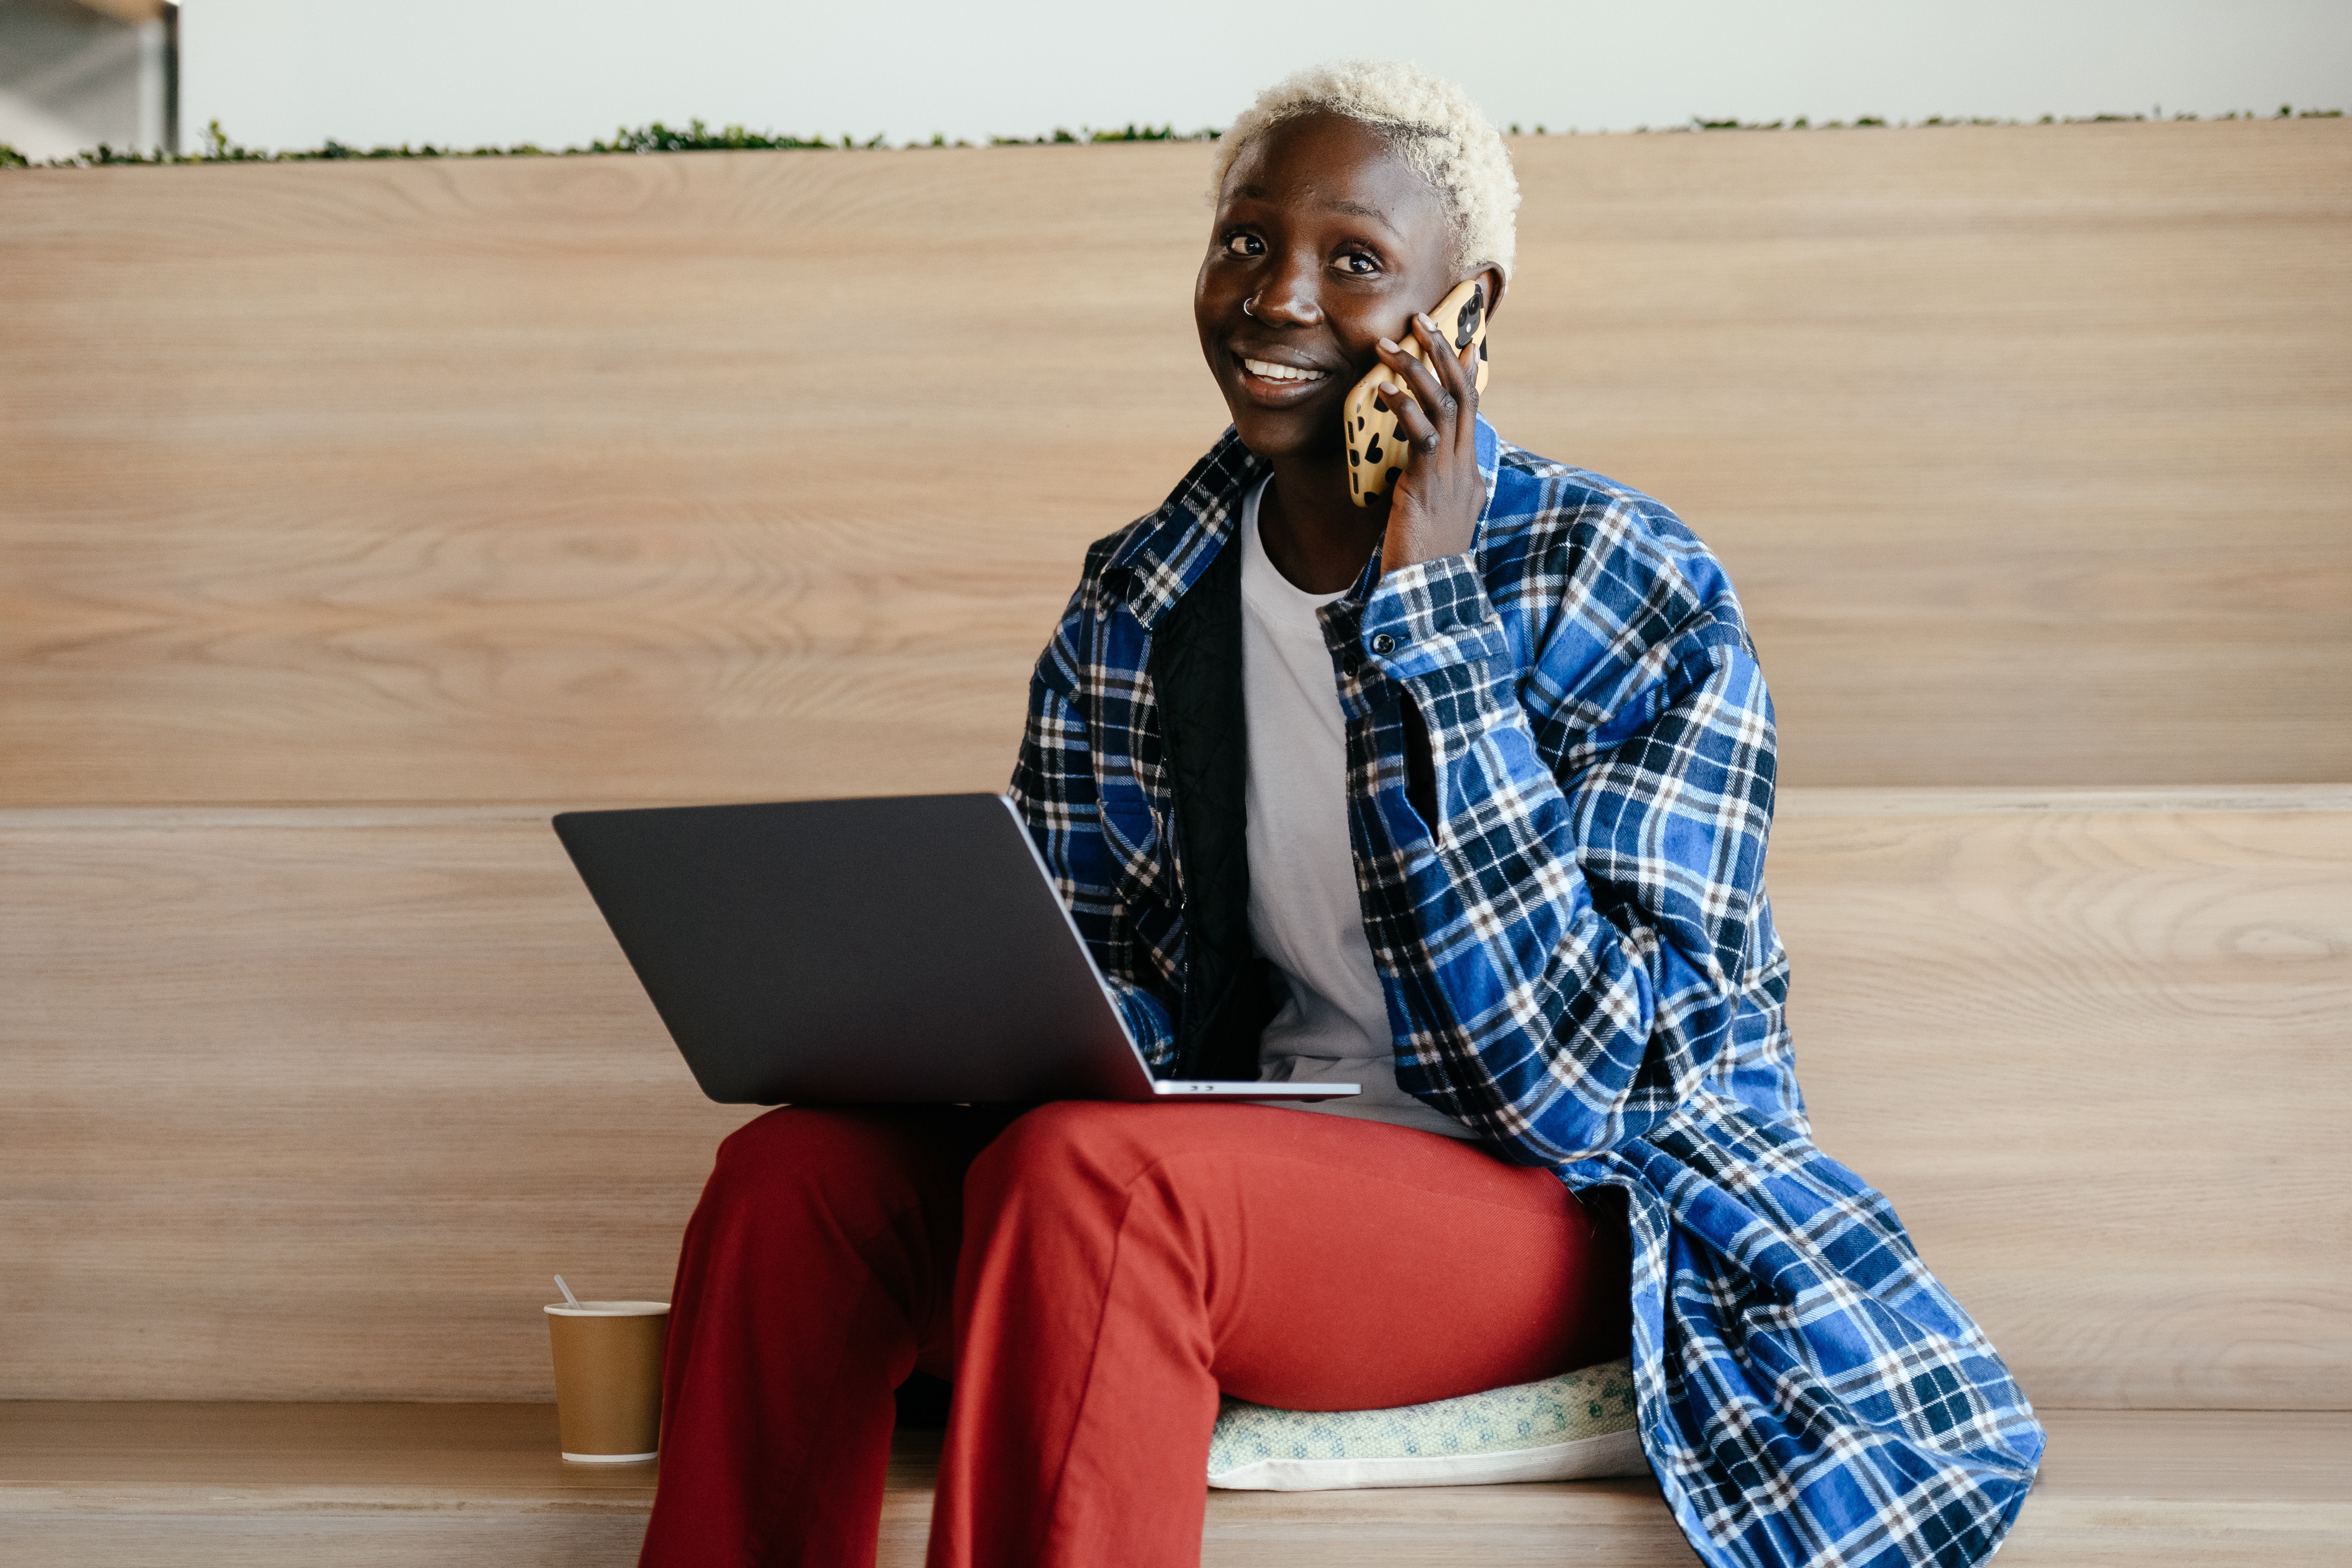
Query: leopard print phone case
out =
(1376, 445)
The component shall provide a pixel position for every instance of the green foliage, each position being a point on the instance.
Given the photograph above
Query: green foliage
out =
(1130, 133)
(657, 137)
(1699, 122)
(698, 137)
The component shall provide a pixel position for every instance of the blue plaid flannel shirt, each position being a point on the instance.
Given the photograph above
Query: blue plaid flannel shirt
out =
(1580, 965)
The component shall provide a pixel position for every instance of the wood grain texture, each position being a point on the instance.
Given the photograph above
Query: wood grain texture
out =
(180, 1486)
(724, 476)
(313, 1105)
(2096, 1058)
(309, 1103)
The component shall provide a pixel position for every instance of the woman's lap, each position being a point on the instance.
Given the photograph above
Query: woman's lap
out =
(1346, 1263)
(1093, 1275)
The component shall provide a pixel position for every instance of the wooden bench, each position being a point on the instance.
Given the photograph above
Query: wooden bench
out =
(354, 518)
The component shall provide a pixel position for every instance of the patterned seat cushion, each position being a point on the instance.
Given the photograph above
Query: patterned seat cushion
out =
(1572, 1427)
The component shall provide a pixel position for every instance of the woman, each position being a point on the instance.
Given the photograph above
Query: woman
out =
(1461, 795)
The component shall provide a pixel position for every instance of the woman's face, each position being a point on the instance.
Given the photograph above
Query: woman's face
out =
(1333, 242)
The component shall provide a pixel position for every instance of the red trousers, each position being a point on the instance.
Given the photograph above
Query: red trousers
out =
(1091, 1275)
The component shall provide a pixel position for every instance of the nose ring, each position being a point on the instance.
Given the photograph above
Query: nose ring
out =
(1246, 307)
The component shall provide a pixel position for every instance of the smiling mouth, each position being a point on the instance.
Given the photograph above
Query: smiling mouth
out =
(1266, 370)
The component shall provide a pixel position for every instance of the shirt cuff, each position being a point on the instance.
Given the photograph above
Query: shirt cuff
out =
(1147, 1021)
(1429, 615)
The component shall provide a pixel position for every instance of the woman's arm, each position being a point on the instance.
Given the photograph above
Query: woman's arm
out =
(1053, 790)
(1575, 946)
(1573, 930)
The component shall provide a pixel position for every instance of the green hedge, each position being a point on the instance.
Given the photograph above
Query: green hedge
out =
(698, 137)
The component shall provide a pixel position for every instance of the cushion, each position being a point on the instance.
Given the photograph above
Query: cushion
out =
(1572, 1428)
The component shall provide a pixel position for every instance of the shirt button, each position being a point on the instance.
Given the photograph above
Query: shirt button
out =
(1383, 643)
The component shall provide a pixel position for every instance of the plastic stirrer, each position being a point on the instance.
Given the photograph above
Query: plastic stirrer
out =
(568, 1296)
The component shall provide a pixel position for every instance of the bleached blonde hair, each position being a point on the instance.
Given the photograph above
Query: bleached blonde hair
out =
(1431, 123)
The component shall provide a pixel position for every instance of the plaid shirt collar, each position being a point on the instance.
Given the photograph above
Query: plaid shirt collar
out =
(1162, 561)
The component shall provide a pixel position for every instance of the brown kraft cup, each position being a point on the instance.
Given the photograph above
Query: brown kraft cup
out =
(608, 1366)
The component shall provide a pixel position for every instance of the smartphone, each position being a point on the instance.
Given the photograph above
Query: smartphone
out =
(1375, 435)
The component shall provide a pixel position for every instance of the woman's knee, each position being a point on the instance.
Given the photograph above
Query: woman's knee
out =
(783, 1139)
(1055, 1136)
(1072, 1152)
(798, 1152)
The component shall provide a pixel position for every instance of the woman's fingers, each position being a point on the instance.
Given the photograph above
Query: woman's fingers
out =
(1436, 351)
(1460, 374)
(1436, 504)
(1460, 390)
(1429, 404)
(1465, 378)
(1441, 352)
(1466, 422)
(1415, 374)
(1419, 433)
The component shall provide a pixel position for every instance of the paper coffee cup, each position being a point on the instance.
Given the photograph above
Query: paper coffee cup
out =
(608, 1367)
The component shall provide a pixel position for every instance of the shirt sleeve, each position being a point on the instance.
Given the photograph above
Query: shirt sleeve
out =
(1574, 934)
(1053, 790)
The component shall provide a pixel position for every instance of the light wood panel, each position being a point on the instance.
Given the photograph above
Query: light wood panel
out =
(639, 477)
(2093, 1048)
(312, 1104)
(461, 1485)
(309, 1103)
(755, 475)
(2028, 452)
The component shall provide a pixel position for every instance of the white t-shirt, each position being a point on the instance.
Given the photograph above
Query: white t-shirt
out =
(1303, 906)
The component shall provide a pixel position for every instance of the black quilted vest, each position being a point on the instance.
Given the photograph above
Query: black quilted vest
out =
(1196, 671)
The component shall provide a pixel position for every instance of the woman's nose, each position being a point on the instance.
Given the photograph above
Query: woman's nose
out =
(1286, 298)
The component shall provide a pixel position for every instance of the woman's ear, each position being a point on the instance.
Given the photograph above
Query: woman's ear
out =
(1491, 278)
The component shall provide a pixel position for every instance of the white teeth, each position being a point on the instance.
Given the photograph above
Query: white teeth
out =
(1273, 372)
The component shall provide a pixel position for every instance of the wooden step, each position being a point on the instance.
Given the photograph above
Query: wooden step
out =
(500, 478)
(258, 1486)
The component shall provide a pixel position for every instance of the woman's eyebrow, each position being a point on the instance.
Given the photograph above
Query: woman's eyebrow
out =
(1337, 204)
(1358, 209)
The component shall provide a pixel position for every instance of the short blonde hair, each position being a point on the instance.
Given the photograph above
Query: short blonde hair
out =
(1431, 124)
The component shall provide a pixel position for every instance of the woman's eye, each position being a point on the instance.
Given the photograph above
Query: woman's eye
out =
(1245, 245)
(1359, 265)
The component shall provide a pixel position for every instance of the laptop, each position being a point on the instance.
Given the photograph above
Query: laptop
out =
(909, 949)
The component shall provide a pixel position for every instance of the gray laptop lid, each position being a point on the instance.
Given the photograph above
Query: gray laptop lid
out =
(907, 949)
